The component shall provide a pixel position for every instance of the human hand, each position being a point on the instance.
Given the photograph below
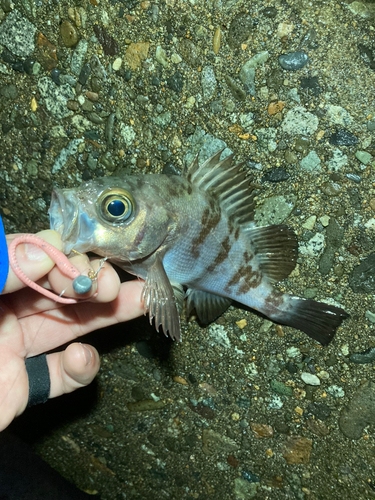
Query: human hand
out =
(31, 324)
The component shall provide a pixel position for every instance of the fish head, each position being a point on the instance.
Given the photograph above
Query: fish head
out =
(122, 219)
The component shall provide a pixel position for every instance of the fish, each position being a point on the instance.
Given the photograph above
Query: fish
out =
(192, 239)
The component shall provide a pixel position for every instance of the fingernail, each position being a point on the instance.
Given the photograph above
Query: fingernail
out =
(35, 253)
(87, 354)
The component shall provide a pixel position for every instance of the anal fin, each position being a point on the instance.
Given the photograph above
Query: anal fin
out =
(208, 306)
(159, 301)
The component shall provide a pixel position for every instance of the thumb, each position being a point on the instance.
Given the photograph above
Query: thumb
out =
(73, 368)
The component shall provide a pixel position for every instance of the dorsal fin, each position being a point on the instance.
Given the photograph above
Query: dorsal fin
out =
(225, 180)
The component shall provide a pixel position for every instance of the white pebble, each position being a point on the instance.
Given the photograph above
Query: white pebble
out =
(310, 379)
(324, 220)
(309, 223)
(117, 64)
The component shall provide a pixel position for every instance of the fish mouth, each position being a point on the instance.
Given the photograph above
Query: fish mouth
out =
(63, 215)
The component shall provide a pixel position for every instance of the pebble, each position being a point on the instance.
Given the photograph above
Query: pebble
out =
(136, 53)
(240, 29)
(161, 56)
(176, 82)
(317, 427)
(9, 92)
(309, 223)
(243, 490)
(343, 138)
(277, 174)
(69, 150)
(261, 430)
(117, 64)
(336, 391)
(213, 442)
(78, 56)
(97, 68)
(370, 316)
(294, 60)
(297, 450)
(237, 92)
(17, 34)
(360, 411)
(311, 162)
(310, 379)
(109, 44)
(55, 97)
(47, 52)
(274, 210)
(361, 358)
(363, 157)
(146, 405)
(84, 74)
(93, 96)
(216, 40)
(362, 278)
(55, 75)
(281, 388)
(208, 82)
(69, 34)
(298, 121)
(338, 116)
(109, 129)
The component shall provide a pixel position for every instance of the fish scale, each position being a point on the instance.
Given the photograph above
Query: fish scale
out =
(191, 236)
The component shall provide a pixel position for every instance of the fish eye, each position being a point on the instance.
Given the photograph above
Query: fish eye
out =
(116, 206)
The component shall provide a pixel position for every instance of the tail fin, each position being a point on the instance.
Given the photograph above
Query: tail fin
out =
(317, 319)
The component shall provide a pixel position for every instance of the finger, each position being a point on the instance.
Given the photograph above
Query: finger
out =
(72, 369)
(106, 285)
(26, 302)
(47, 330)
(14, 386)
(32, 260)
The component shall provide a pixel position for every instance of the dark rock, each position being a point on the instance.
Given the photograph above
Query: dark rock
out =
(311, 83)
(343, 138)
(84, 74)
(294, 60)
(362, 358)
(176, 82)
(360, 412)
(277, 174)
(319, 410)
(362, 278)
(109, 44)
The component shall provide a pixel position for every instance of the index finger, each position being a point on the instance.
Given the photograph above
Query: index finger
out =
(32, 260)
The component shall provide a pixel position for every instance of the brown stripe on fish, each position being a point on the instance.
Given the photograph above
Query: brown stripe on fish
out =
(237, 234)
(210, 219)
(274, 299)
(225, 247)
(250, 279)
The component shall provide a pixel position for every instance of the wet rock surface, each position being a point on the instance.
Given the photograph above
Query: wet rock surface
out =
(243, 408)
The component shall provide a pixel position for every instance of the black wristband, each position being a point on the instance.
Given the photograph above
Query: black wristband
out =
(39, 381)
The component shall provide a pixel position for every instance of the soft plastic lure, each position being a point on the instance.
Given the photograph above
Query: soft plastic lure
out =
(81, 283)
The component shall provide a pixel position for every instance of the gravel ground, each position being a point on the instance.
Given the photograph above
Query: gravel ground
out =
(243, 408)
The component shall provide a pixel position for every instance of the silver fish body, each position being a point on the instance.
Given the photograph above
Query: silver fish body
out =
(191, 233)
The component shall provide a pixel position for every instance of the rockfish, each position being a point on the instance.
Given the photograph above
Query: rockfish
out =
(190, 236)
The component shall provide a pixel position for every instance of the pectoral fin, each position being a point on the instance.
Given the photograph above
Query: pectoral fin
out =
(208, 306)
(159, 301)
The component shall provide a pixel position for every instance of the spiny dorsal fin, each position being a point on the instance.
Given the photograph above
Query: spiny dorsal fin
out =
(225, 180)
